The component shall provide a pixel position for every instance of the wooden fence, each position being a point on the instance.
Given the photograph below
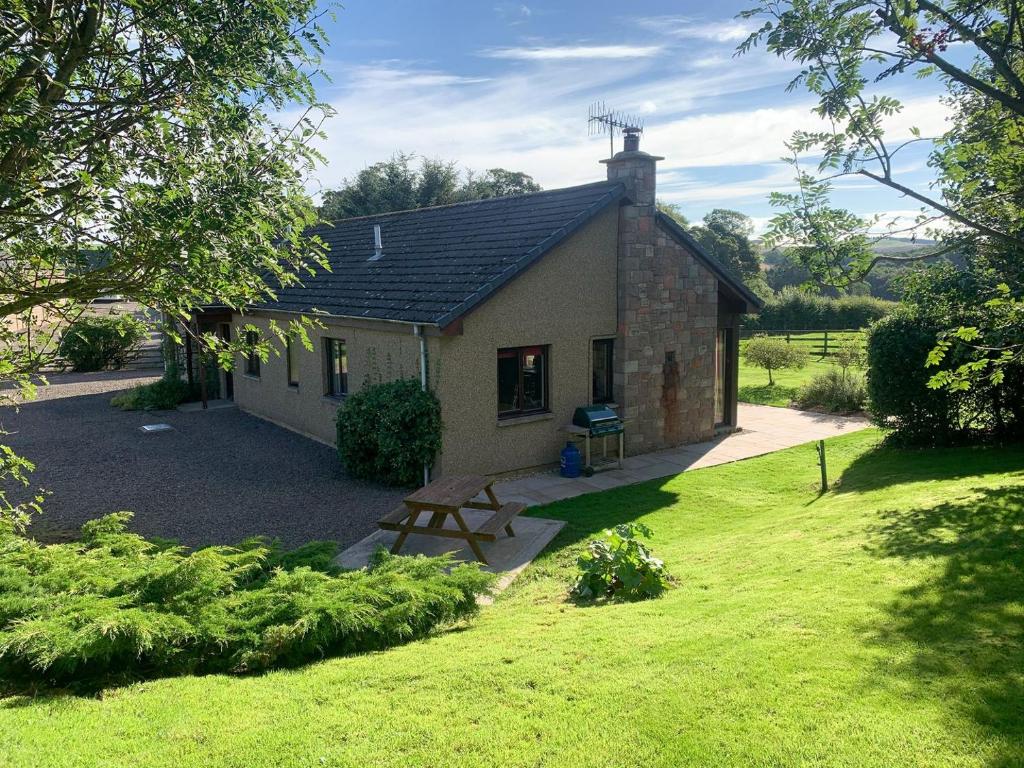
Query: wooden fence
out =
(818, 343)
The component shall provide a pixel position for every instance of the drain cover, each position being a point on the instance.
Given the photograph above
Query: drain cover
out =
(147, 428)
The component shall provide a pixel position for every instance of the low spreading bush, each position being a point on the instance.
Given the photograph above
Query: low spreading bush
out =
(387, 432)
(99, 343)
(794, 309)
(834, 390)
(773, 353)
(621, 566)
(114, 606)
(163, 395)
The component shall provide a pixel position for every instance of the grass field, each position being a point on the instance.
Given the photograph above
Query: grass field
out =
(753, 384)
(881, 624)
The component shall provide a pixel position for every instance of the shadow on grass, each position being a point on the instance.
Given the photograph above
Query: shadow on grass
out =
(587, 516)
(965, 624)
(887, 466)
(767, 394)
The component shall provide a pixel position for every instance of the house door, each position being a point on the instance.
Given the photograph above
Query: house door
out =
(229, 380)
(723, 375)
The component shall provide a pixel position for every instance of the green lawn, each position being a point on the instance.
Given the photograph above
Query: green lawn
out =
(754, 387)
(881, 624)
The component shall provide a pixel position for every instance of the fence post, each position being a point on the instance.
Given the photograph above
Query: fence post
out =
(824, 469)
(825, 352)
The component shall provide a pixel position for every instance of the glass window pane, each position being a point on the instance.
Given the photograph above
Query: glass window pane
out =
(337, 367)
(293, 366)
(508, 382)
(602, 373)
(533, 380)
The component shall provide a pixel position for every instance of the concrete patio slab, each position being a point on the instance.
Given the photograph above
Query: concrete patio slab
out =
(508, 555)
(764, 429)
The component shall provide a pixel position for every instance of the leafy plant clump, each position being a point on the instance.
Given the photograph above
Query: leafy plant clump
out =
(99, 343)
(163, 395)
(621, 566)
(114, 606)
(773, 354)
(834, 390)
(387, 432)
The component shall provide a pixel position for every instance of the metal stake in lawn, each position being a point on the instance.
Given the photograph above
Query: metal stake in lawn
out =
(824, 468)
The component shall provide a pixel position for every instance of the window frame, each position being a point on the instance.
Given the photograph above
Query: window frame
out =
(330, 344)
(252, 359)
(609, 343)
(291, 365)
(544, 350)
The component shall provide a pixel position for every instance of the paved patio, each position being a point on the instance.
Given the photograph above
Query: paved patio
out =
(764, 429)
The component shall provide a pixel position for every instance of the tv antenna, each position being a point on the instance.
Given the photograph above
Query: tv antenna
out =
(602, 120)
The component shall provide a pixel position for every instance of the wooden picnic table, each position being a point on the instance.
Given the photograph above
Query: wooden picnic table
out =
(449, 496)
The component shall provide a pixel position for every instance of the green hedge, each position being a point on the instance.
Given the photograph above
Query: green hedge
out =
(795, 310)
(99, 343)
(901, 400)
(114, 606)
(387, 432)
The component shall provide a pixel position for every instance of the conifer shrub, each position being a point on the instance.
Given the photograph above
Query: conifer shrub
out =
(114, 606)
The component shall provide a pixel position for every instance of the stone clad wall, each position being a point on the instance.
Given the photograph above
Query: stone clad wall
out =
(667, 320)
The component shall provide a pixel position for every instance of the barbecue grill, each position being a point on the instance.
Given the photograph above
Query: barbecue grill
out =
(592, 421)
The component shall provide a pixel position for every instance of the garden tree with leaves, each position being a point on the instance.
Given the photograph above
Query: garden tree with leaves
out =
(675, 212)
(398, 185)
(725, 234)
(848, 50)
(138, 156)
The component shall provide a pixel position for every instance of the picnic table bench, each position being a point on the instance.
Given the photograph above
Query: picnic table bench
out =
(449, 496)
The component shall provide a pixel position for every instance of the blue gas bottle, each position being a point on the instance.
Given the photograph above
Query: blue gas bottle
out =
(572, 461)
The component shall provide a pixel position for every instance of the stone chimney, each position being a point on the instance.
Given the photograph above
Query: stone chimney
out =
(635, 169)
(666, 319)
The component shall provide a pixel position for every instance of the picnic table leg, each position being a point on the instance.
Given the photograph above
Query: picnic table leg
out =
(473, 543)
(410, 522)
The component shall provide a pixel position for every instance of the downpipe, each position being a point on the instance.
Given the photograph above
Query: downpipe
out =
(417, 331)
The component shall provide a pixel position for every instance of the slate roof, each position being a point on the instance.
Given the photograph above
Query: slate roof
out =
(439, 263)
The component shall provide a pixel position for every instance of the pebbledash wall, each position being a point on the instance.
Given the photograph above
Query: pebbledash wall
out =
(376, 351)
(531, 310)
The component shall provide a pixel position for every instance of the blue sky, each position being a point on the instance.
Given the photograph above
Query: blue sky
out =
(509, 84)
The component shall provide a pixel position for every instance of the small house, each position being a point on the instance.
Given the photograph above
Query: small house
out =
(514, 311)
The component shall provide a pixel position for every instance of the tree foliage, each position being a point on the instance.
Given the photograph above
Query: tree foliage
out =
(398, 184)
(773, 353)
(725, 234)
(140, 155)
(848, 49)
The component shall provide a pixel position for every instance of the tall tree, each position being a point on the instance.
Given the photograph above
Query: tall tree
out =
(397, 185)
(848, 49)
(725, 234)
(138, 156)
(140, 130)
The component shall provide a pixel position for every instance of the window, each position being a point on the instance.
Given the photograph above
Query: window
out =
(337, 367)
(252, 359)
(292, 358)
(522, 381)
(601, 368)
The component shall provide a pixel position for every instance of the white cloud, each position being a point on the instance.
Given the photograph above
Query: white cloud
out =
(569, 52)
(533, 118)
(725, 31)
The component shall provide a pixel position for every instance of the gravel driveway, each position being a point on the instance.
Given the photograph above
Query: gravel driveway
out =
(219, 476)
